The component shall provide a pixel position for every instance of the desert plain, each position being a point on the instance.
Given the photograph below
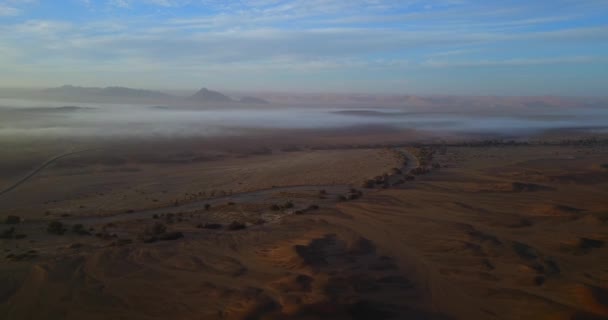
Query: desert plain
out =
(361, 222)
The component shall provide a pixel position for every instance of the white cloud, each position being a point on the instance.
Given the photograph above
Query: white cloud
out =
(7, 11)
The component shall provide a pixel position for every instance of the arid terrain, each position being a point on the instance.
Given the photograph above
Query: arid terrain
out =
(386, 231)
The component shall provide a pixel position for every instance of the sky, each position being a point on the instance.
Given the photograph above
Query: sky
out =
(480, 47)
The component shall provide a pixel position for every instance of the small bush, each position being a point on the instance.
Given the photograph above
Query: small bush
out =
(275, 207)
(12, 220)
(288, 205)
(8, 234)
(207, 206)
(171, 235)
(149, 239)
(155, 216)
(157, 228)
(80, 229)
(342, 198)
(20, 236)
(56, 227)
(313, 207)
(212, 226)
(235, 225)
(369, 184)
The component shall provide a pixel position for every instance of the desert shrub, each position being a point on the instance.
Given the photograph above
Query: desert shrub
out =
(342, 198)
(212, 226)
(149, 239)
(353, 196)
(207, 206)
(275, 207)
(235, 225)
(588, 243)
(436, 165)
(288, 205)
(231, 203)
(259, 222)
(369, 184)
(121, 242)
(171, 235)
(79, 229)
(155, 216)
(156, 228)
(56, 227)
(12, 220)
(8, 234)
(20, 236)
(322, 192)
(313, 207)
(604, 166)
(396, 171)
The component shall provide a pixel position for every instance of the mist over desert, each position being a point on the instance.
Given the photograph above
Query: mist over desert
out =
(303, 159)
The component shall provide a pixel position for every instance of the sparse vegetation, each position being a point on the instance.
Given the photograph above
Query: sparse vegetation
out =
(235, 225)
(156, 229)
(8, 234)
(80, 229)
(171, 236)
(56, 227)
(286, 205)
(212, 226)
(12, 220)
(369, 184)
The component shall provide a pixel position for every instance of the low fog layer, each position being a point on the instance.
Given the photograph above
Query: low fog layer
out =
(35, 118)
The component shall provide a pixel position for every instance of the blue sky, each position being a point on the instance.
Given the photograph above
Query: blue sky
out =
(510, 47)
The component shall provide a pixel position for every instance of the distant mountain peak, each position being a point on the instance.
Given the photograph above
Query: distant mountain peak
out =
(206, 95)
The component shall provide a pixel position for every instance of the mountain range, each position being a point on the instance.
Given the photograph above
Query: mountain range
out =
(204, 95)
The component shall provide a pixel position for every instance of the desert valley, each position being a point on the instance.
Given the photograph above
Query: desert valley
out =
(303, 159)
(371, 220)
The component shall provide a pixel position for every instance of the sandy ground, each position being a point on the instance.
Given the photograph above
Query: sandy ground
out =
(495, 233)
(76, 186)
